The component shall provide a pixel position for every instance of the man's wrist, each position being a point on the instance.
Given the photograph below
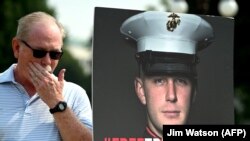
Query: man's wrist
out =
(60, 107)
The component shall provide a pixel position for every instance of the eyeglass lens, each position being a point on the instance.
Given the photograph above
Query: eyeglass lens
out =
(41, 53)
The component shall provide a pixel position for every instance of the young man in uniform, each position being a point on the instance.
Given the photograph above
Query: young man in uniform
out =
(167, 44)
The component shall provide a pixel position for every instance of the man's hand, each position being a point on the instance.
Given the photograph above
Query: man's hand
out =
(50, 88)
(47, 85)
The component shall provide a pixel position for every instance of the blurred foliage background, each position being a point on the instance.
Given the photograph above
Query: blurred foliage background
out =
(12, 10)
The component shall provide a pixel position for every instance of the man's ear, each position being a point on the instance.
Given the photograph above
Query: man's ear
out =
(15, 47)
(140, 90)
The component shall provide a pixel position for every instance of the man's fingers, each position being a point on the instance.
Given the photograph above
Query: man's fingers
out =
(61, 75)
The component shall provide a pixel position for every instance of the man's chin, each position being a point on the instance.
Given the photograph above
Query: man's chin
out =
(174, 122)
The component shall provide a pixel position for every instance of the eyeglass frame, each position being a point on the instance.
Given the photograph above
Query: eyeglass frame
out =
(34, 51)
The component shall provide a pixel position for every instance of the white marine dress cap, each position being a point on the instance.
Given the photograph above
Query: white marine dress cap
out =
(174, 38)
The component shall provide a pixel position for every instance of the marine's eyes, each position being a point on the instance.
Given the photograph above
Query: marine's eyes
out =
(161, 80)
(182, 81)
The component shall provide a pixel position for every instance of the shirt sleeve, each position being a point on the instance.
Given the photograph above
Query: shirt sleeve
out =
(79, 102)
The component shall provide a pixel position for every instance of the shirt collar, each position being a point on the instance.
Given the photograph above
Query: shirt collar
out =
(8, 75)
(149, 133)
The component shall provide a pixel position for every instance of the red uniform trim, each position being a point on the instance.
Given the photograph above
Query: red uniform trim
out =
(151, 133)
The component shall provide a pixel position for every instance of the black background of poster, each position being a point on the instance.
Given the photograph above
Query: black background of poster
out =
(117, 111)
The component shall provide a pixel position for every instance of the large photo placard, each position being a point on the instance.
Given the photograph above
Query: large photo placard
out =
(117, 111)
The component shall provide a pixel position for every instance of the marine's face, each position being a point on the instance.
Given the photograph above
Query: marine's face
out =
(167, 99)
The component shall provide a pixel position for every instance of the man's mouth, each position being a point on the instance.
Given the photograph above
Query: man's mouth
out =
(49, 69)
(171, 114)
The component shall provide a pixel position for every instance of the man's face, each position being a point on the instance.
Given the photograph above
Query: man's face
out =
(46, 37)
(167, 99)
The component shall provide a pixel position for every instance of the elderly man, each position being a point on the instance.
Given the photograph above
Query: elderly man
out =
(34, 103)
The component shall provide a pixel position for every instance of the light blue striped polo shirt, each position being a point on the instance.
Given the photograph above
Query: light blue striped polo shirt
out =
(24, 118)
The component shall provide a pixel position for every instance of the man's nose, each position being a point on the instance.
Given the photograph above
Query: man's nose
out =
(46, 60)
(171, 91)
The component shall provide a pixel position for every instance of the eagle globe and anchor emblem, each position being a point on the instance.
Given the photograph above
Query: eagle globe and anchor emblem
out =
(173, 22)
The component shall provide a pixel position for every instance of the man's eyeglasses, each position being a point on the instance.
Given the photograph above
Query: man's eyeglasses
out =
(56, 55)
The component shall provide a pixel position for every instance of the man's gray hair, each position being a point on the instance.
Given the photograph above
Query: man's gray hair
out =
(24, 23)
